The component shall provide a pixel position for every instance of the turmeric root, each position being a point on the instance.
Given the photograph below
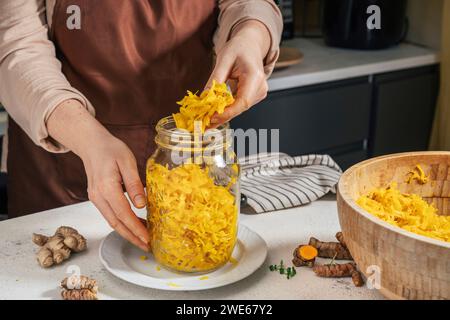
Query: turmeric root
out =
(330, 249)
(335, 270)
(334, 250)
(57, 248)
(357, 278)
(340, 238)
(304, 255)
(340, 271)
(79, 288)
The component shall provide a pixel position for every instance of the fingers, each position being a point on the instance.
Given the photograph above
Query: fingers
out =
(105, 191)
(222, 69)
(113, 194)
(252, 88)
(132, 182)
(117, 225)
(240, 105)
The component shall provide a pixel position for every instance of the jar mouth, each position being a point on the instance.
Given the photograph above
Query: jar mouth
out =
(169, 135)
(167, 126)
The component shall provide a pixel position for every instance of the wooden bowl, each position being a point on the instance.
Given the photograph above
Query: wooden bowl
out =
(410, 266)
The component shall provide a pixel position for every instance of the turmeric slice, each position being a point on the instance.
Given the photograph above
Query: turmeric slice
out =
(201, 108)
(307, 252)
(304, 255)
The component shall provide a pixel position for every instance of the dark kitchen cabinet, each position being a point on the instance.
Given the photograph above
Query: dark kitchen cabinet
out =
(313, 119)
(403, 111)
(352, 119)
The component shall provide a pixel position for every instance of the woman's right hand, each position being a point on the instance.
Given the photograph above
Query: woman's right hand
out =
(109, 165)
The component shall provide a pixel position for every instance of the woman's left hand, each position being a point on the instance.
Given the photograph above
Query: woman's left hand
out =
(241, 62)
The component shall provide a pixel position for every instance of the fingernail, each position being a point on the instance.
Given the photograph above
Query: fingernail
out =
(139, 201)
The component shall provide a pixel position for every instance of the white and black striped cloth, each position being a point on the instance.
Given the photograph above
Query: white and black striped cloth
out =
(278, 181)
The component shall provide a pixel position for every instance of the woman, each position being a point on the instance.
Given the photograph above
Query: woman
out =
(85, 82)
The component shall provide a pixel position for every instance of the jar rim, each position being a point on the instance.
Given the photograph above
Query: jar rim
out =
(166, 128)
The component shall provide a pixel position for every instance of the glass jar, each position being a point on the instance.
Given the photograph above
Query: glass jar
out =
(193, 198)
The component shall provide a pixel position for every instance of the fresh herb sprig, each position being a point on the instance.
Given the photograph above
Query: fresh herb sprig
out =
(290, 272)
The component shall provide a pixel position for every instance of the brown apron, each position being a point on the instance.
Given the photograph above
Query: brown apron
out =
(132, 59)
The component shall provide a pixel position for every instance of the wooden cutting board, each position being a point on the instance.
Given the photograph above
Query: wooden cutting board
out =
(288, 57)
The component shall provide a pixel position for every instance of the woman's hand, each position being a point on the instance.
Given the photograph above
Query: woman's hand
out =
(109, 164)
(241, 62)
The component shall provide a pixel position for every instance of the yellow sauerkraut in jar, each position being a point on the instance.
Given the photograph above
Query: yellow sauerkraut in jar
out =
(407, 211)
(192, 221)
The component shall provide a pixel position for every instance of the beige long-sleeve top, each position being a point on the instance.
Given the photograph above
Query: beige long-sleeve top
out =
(31, 81)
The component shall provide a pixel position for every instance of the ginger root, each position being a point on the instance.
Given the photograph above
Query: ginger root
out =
(79, 288)
(335, 250)
(304, 255)
(57, 248)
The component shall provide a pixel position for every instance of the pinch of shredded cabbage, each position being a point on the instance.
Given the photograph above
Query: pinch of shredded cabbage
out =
(202, 108)
(417, 175)
(192, 221)
(407, 211)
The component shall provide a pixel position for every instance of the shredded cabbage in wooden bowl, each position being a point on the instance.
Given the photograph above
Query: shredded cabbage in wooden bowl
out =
(408, 211)
(192, 221)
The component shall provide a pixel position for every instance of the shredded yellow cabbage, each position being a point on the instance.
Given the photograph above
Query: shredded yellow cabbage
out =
(417, 174)
(192, 221)
(407, 211)
(202, 108)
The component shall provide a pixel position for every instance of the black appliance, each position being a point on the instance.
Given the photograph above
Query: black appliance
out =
(287, 10)
(364, 24)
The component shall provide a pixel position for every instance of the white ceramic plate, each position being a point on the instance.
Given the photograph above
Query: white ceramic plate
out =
(124, 261)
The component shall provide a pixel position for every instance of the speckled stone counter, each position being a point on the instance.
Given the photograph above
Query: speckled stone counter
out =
(22, 278)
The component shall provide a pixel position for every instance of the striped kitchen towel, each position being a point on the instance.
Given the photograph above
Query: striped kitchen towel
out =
(276, 181)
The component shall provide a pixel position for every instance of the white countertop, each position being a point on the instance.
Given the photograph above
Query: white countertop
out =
(22, 278)
(324, 64)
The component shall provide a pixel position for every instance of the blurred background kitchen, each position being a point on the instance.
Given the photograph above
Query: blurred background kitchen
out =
(356, 93)
(349, 91)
